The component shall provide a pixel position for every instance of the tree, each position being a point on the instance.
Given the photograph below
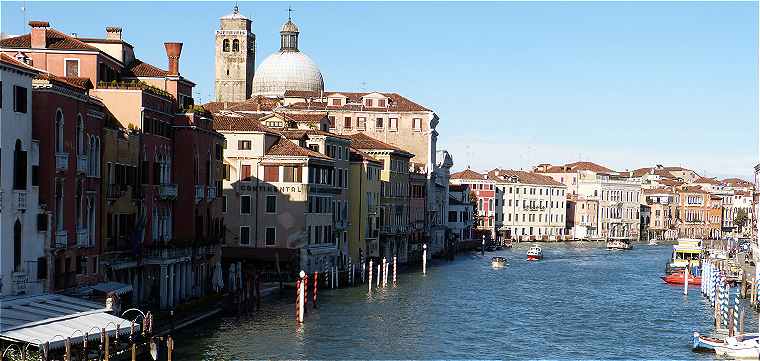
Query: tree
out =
(740, 220)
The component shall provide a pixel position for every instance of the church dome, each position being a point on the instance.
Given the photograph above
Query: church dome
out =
(288, 69)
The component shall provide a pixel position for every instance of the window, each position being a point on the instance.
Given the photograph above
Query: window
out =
(381, 103)
(393, 123)
(271, 173)
(270, 236)
(271, 204)
(379, 123)
(417, 124)
(368, 102)
(245, 204)
(235, 45)
(292, 174)
(332, 121)
(245, 235)
(72, 67)
(218, 151)
(245, 173)
(19, 99)
(361, 122)
(347, 122)
(336, 102)
(244, 144)
(224, 204)
(226, 45)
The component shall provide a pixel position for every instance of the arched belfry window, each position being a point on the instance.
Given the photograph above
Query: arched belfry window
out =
(226, 45)
(235, 45)
(19, 167)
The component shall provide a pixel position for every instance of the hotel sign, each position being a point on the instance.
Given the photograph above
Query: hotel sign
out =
(268, 188)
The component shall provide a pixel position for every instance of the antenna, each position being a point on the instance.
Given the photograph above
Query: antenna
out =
(290, 10)
(23, 18)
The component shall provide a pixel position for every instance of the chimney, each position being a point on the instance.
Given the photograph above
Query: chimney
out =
(173, 51)
(113, 33)
(39, 28)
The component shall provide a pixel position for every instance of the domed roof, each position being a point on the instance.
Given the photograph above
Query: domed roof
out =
(286, 70)
(289, 27)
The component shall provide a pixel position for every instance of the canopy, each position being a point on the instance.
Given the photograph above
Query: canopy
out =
(115, 287)
(53, 317)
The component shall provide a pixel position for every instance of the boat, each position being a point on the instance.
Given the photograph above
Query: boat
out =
(535, 254)
(617, 244)
(703, 343)
(677, 278)
(499, 262)
(737, 348)
(652, 242)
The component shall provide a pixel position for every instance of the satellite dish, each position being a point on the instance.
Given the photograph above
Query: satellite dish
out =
(153, 349)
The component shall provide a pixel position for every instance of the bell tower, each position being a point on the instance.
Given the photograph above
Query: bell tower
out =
(235, 58)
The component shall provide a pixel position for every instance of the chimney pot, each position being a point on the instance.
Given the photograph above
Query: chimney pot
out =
(38, 34)
(173, 51)
(113, 33)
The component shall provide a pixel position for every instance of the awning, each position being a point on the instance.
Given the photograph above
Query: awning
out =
(53, 317)
(115, 287)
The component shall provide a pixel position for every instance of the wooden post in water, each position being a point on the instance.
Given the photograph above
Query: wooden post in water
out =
(107, 356)
(686, 280)
(395, 261)
(132, 346)
(316, 282)
(379, 275)
(369, 276)
(169, 348)
(67, 349)
(741, 322)
(424, 258)
(731, 323)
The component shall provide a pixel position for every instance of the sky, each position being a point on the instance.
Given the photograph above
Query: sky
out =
(515, 84)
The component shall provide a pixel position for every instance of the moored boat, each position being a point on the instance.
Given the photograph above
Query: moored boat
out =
(499, 262)
(677, 278)
(703, 343)
(535, 253)
(652, 242)
(739, 349)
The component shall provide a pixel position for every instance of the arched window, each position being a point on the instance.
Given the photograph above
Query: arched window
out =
(80, 135)
(226, 45)
(59, 131)
(235, 45)
(17, 246)
(19, 167)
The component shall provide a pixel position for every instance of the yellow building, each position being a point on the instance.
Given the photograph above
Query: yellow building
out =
(393, 213)
(364, 199)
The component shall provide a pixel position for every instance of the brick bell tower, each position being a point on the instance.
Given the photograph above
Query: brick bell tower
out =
(235, 58)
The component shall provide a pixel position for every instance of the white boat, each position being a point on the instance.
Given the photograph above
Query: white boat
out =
(617, 244)
(742, 350)
(535, 254)
(652, 242)
(499, 262)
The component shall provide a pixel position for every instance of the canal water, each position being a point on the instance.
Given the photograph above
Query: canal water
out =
(580, 302)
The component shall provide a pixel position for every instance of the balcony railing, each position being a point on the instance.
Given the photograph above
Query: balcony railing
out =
(61, 161)
(114, 191)
(199, 191)
(167, 191)
(61, 239)
(82, 164)
(211, 193)
(19, 199)
(83, 238)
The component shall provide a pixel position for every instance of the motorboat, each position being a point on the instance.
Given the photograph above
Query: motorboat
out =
(499, 262)
(739, 349)
(704, 343)
(535, 254)
(617, 244)
(652, 242)
(677, 278)
(685, 258)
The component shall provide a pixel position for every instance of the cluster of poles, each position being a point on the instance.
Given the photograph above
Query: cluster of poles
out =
(383, 270)
(717, 290)
(109, 347)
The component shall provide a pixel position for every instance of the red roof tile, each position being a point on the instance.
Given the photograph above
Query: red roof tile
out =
(304, 117)
(358, 156)
(470, 174)
(140, 69)
(707, 180)
(256, 104)
(523, 177)
(737, 182)
(239, 124)
(396, 102)
(285, 147)
(9, 60)
(81, 84)
(54, 40)
(305, 133)
(365, 142)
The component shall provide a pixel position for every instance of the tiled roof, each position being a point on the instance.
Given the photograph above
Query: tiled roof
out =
(81, 84)
(285, 147)
(396, 103)
(365, 142)
(670, 182)
(470, 174)
(239, 124)
(140, 69)
(304, 133)
(358, 156)
(54, 40)
(255, 104)
(523, 177)
(577, 166)
(658, 190)
(215, 107)
(9, 60)
(693, 189)
(304, 117)
(707, 180)
(743, 193)
(737, 182)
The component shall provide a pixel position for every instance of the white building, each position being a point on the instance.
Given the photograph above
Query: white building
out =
(459, 219)
(22, 262)
(528, 206)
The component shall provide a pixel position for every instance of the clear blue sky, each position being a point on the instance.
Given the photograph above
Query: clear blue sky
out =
(515, 84)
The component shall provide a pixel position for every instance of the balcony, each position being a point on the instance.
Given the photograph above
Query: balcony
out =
(82, 164)
(61, 162)
(19, 200)
(199, 192)
(167, 191)
(114, 191)
(83, 239)
(211, 193)
(61, 240)
(19, 281)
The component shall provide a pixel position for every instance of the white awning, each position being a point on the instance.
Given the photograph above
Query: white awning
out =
(52, 318)
(116, 287)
